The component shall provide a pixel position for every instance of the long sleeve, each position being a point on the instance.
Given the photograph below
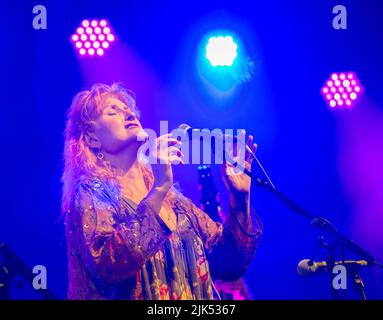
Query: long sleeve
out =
(229, 249)
(114, 247)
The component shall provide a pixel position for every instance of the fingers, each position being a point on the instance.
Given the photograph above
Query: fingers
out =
(230, 169)
(252, 146)
(174, 159)
(166, 140)
(250, 139)
(168, 150)
(175, 156)
(242, 137)
(239, 163)
(175, 151)
(242, 134)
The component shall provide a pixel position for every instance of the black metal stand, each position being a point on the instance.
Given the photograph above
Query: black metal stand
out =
(4, 283)
(316, 221)
(327, 226)
(357, 282)
(12, 267)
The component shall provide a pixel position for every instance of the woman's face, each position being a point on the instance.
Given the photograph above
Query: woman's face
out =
(117, 127)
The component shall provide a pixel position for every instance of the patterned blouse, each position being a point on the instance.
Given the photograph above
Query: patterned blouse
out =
(120, 250)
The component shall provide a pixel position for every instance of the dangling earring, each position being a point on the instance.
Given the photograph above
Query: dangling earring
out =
(100, 155)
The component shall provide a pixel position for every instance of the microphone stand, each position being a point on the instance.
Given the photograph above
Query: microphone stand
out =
(317, 222)
(11, 267)
(358, 282)
(322, 224)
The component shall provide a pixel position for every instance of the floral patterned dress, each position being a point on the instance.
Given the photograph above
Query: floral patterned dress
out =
(120, 250)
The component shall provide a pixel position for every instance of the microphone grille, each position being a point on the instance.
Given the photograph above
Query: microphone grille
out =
(305, 268)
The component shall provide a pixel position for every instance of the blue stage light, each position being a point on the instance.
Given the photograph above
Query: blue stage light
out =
(221, 51)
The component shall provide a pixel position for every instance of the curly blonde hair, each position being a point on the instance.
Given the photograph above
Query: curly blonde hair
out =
(81, 160)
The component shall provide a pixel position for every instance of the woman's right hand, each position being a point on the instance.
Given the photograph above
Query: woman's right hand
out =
(165, 153)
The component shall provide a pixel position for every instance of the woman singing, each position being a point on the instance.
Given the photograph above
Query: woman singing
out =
(130, 233)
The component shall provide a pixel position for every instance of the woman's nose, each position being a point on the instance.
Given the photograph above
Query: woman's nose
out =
(130, 117)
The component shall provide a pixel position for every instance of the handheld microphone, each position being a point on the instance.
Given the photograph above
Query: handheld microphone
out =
(188, 130)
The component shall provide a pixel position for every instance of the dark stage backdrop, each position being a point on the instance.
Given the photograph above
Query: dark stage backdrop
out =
(329, 161)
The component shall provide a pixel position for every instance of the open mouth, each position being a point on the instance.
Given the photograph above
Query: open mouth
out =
(131, 125)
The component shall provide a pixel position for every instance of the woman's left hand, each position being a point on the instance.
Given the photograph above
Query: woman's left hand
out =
(236, 181)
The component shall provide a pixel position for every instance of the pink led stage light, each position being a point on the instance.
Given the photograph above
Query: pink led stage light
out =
(341, 90)
(93, 37)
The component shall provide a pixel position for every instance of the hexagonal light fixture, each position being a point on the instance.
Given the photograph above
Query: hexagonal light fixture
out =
(341, 90)
(93, 37)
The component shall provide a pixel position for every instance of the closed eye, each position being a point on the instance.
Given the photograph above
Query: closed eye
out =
(112, 110)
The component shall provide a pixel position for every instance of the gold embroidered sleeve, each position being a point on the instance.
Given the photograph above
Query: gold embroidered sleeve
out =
(113, 249)
(229, 249)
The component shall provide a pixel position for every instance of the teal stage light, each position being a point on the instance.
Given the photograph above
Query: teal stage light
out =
(221, 51)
